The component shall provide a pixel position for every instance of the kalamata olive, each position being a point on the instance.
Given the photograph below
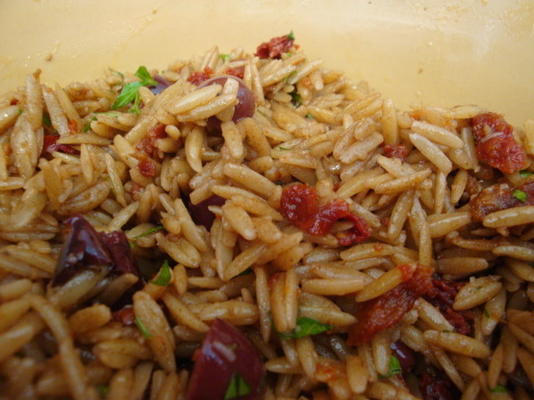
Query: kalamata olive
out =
(85, 248)
(161, 86)
(200, 213)
(226, 355)
(518, 377)
(246, 104)
(119, 250)
(435, 385)
(82, 249)
(404, 354)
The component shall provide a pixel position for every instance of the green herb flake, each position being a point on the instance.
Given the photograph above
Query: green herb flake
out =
(395, 368)
(164, 276)
(306, 327)
(20, 111)
(128, 94)
(87, 126)
(46, 120)
(146, 79)
(225, 57)
(520, 195)
(308, 116)
(282, 148)
(149, 232)
(102, 390)
(498, 389)
(525, 173)
(296, 99)
(144, 330)
(291, 36)
(237, 387)
(130, 91)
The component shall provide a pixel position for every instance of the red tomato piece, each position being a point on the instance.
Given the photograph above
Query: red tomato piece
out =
(196, 78)
(385, 311)
(275, 47)
(300, 205)
(396, 151)
(496, 145)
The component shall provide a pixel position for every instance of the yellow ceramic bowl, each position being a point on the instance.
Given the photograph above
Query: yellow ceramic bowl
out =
(415, 51)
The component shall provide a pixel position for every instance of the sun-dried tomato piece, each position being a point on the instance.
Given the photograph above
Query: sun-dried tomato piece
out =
(196, 78)
(237, 71)
(148, 144)
(442, 296)
(125, 315)
(399, 151)
(495, 143)
(147, 167)
(300, 205)
(50, 145)
(275, 47)
(385, 311)
(73, 126)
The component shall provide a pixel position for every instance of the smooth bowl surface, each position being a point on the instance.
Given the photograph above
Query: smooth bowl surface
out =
(433, 52)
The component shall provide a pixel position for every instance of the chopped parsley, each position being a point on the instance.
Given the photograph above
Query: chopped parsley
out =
(520, 195)
(149, 231)
(102, 390)
(144, 330)
(525, 173)
(87, 126)
(394, 367)
(306, 327)
(164, 276)
(237, 387)
(498, 389)
(308, 116)
(225, 57)
(146, 79)
(296, 99)
(130, 91)
(46, 120)
(291, 36)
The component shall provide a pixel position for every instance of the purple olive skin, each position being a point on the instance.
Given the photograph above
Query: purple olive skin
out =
(246, 104)
(404, 354)
(225, 352)
(85, 248)
(200, 213)
(161, 86)
(119, 250)
(435, 385)
(82, 249)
